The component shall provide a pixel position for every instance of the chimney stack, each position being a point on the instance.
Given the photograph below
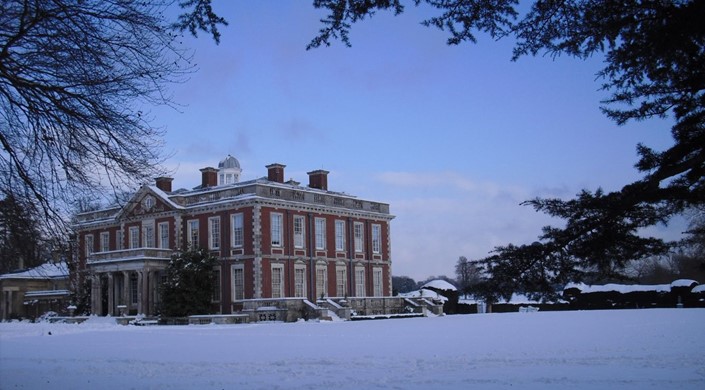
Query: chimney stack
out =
(275, 172)
(164, 183)
(318, 179)
(209, 177)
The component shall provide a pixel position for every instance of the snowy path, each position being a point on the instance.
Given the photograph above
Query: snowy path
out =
(636, 349)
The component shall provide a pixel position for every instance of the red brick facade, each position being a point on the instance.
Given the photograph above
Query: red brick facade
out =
(270, 237)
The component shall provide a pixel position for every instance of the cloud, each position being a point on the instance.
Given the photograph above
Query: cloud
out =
(443, 215)
(449, 181)
(242, 143)
(299, 129)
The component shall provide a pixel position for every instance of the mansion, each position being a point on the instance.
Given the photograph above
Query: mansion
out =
(276, 240)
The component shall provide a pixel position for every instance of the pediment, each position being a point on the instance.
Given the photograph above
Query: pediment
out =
(145, 202)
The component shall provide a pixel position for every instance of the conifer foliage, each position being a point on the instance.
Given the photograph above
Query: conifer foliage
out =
(188, 287)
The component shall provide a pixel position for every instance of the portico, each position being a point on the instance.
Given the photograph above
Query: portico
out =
(127, 279)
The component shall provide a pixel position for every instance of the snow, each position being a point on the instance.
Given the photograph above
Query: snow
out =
(440, 285)
(45, 271)
(621, 288)
(520, 299)
(684, 283)
(425, 294)
(619, 349)
(516, 299)
(164, 197)
(698, 289)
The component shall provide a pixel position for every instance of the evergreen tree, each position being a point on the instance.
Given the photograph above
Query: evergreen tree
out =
(188, 287)
(402, 284)
(20, 237)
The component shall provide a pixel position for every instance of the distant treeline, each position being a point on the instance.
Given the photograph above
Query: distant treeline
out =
(680, 293)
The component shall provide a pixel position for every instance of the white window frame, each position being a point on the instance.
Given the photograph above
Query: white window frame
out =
(359, 233)
(299, 231)
(320, 233)
(339, 235)
(237, 235)
(238, 282)
(148, 234)
(321, 281)
(341, 282)
(90, 244)
(104, 241)
(164, 235)
(192, 233)
(214, 233)
(376, 238)
(377, 283)
(277, 281)
(134, 237)
(119, 239)
(300, 281)
(360, 290)
(276, 229)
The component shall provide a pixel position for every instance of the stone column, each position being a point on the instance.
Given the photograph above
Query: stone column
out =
(126, 291)
(145, 293)
(156, 285)
(111, 294)
(151, 292)
(95, 294)
(140, 282)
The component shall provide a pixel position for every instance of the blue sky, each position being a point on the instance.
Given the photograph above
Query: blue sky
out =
(452, 137)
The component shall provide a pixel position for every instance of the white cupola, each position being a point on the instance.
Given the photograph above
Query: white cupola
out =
(229, 171)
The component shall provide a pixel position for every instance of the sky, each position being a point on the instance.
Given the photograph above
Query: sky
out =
(454, 138)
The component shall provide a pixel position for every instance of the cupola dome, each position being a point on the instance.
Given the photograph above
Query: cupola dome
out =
(229, 171)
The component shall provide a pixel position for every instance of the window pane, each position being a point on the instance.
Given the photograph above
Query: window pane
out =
(104, 242)
(358, 236)
(376, 238)
(119, 240)
(164, 235)
(321, 282)
(193, 233)
(276, 229)
(340, 235)
(377, 282)
(238, 283)
(340, 284)
(299, 282)
(298, 231)
(134, 237)
(148, 230)
(359, 282)
(214, 230)
(277, 277)
(237, 224)
(320, 233)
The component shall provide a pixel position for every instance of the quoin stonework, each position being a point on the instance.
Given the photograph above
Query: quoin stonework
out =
(276, 241)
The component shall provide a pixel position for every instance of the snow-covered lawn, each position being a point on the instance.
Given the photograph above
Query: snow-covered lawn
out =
(628, 349)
